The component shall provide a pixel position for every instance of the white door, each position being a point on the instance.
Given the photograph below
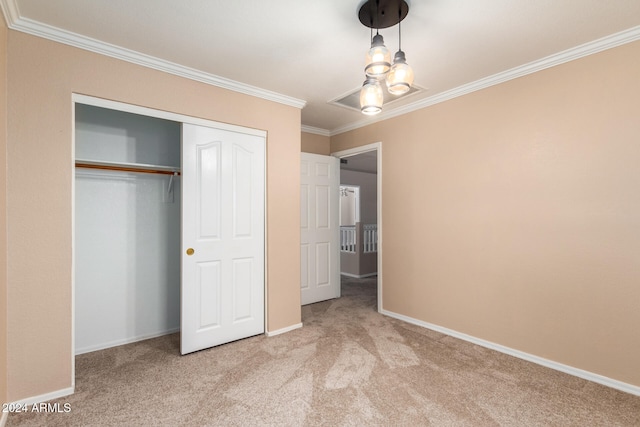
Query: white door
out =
(320, 230)
(222, 292)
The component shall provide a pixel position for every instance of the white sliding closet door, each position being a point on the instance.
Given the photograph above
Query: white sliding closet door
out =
(223, 211)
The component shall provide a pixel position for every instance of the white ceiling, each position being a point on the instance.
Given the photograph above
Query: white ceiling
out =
(313, 50)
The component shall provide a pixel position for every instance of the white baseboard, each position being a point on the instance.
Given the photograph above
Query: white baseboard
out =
(45, 397)
(3, 418)
(359, 276)
(283, 330)
(130, 340)
(590, 376)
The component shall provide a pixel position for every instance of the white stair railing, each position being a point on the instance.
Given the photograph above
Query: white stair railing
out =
(348, 238)
(349, 242)
(370, 238)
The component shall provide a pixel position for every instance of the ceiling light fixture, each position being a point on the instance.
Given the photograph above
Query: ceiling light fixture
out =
(399, 76)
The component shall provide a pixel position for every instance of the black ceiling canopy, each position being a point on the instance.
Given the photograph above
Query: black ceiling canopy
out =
(382, 13)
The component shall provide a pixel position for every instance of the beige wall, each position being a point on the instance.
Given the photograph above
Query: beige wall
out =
(42, 75)
(519, 216)
(316, 144)
(3, 211)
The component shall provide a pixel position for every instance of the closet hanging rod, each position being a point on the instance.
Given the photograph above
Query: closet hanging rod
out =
(128, 167)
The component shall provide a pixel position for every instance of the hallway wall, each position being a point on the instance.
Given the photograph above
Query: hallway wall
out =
(512, 215)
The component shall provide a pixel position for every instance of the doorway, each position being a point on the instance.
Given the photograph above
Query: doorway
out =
(368, 159)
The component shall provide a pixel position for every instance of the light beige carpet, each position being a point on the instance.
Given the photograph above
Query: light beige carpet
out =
(348, 366)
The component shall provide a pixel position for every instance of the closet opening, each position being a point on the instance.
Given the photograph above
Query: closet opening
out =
(127, 227)
(169, 228)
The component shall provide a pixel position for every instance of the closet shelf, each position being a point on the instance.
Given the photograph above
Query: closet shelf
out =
(128, 167)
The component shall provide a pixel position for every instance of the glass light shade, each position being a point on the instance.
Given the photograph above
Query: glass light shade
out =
(371, 97)
(400, 77)
(378, 58)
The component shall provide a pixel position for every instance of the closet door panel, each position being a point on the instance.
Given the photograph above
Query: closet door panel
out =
(223, 225)
(242, 280)
(209, 287)
(243, 182)
(208, 193)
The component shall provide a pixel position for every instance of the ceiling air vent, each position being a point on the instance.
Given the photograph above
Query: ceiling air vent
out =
(352, 99)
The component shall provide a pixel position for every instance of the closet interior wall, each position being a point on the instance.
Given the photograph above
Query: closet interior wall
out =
(127, 230)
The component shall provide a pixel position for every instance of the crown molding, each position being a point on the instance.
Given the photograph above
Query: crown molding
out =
(316, 131)
(10, 11)
(25, 25)
(15, 22)
(599, 45)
